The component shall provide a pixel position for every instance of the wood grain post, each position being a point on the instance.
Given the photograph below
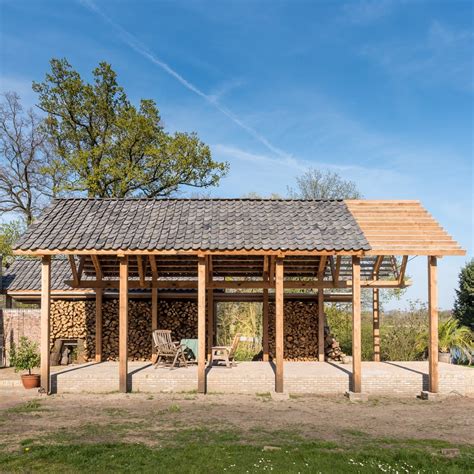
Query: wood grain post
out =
(210, 322)
(433, 324)
(123, 325)
(376, 323)
(356, 327)
(279, 315)
(98, 324)
(321, 322)
(45, 322)
(202, 270)
(154, 317)
(265, 322)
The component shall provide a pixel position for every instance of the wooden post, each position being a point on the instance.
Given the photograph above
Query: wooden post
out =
(279, 315)
(210, 322)
(154, 317)
(202, 324)
(376, 323)
(265, 323)
(433, 324)
(45, 322)
(356, 327)
(123, 325)
(321, 322)
(98, 324)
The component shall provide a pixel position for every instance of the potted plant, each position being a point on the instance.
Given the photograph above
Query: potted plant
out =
(451, 338)
(26, 357)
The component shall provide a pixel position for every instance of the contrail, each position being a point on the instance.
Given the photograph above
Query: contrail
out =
(143, 50)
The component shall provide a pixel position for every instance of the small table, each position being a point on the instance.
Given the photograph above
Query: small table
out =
(192, 347)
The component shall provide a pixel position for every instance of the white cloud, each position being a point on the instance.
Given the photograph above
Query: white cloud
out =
(133, 42)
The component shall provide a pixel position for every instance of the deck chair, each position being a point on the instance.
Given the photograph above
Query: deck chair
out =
(225, 353)
(166, 349)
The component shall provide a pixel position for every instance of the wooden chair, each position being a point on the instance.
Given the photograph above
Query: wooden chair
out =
(166, 349)
(225, 353)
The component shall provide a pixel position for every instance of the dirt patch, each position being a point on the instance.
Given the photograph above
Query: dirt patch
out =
(151, 419)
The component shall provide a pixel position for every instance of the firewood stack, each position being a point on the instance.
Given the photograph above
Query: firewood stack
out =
(300, 326)
(76, 319)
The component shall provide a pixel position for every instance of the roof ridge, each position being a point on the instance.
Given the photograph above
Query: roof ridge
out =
(195, 199)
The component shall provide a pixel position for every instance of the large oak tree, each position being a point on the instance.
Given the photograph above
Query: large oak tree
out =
(107, 147)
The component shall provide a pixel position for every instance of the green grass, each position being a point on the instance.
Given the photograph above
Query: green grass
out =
(28, 407)
(231, 456)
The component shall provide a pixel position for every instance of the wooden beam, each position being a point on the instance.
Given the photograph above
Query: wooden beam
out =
(153, 266)
(271, 270)
(337, 271)
(98, 324)
(202, 270)
(279, 315)
(376, 323)
(265, 326)
(75, 275)
(98, 269)
(123, 325)
(322, 266)
(45, 323)
(377, 264)
(82, 261)
(210, 308)
(403, 267)
(356, 327)
(141, 270)
(321, 322)
(242, 284)
(433, 324)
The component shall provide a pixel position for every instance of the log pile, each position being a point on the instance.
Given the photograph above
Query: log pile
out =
(300, 329)
(76, 320)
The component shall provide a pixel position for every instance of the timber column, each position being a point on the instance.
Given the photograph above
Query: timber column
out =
(376, 323)
(45, 322)
(123, 324)
(356, 327)
(279, 315)
(433, 324)
(202, 324)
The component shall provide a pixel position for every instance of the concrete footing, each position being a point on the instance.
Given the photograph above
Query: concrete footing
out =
(357, 396)
(280, 397)
(431, 396)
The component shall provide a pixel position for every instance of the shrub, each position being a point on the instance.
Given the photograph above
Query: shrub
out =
(25, 356)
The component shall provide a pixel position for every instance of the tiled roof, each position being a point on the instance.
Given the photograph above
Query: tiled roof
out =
(194, 224)
(25, 274)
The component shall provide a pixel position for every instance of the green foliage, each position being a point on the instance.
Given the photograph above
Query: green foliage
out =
(25, 356)
(464, 304)
(107, 147)
(452, 337)
(243, 318)
(9, 233)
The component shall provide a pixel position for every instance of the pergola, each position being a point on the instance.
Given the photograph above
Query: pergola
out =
(227, 244)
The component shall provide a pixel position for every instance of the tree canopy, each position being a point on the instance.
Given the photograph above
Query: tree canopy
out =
(464, 304)
(24, 152)
(318, 184)
(107, 147)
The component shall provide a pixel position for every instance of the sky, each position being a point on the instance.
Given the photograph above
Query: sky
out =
(379, 91)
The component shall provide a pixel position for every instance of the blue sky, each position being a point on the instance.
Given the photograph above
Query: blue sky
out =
(379, 91)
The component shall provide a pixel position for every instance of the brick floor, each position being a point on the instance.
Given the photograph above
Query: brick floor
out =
(378, 378)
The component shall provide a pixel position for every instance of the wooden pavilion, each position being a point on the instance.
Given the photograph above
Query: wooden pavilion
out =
(227, 244)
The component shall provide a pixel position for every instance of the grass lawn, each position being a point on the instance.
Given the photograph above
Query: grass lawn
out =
(190, 435)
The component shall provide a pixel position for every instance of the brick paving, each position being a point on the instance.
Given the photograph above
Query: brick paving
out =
(378, 378)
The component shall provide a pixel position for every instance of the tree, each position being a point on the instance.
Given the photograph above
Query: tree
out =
(24, 151)
(464, 303)
(317, 184)
(107, 147)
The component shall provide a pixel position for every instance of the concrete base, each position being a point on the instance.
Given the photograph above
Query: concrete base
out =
(280, 397)
(357, 396)
(431, 396)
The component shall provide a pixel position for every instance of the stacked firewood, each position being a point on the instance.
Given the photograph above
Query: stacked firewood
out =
(300, 329)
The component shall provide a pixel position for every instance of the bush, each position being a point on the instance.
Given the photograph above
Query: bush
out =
(25, 356)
